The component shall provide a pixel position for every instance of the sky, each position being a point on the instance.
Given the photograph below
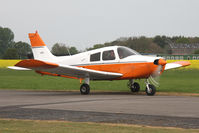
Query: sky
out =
(83, 23)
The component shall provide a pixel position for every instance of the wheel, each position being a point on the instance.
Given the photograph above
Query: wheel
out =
(151, 91)
(135, 87)
(85, 89)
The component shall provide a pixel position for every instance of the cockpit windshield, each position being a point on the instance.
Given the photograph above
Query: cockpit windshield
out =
(124, 52)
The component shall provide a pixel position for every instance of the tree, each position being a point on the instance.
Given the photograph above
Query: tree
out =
(194, 40)
(141, 44)
(6, 40)
(59, 49)
(73, 50)
(96, 46)
(11, 53)
(161, 41)
(183, 40)
(23, 49)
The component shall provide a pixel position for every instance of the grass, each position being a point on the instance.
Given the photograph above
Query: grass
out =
(171, 81)
(180, 81)
(30, 126)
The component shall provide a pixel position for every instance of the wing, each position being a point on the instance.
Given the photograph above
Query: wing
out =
(66, 70)
(177, 64)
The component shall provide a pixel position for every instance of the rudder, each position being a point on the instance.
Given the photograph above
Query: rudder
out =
(36, 40)
(39, 48)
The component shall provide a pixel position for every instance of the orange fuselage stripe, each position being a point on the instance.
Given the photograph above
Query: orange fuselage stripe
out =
(129, 70)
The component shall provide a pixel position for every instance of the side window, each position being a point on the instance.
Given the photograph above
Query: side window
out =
(95, 57)
(108, 55)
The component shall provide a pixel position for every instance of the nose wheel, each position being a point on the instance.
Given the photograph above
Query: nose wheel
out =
(150, 89)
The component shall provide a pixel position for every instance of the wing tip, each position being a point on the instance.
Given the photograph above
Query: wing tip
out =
(183, 63)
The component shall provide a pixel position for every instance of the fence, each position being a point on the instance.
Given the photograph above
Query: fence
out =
(180, 57)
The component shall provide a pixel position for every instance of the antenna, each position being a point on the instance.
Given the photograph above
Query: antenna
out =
(68, 51)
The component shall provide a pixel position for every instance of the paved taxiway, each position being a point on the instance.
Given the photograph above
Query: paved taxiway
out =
(177, 111)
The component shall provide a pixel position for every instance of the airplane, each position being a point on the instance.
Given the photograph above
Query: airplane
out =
(108, 63)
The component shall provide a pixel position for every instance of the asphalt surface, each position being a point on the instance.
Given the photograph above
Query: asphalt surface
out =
(168, 111)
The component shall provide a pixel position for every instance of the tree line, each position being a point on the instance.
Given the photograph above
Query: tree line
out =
(9, 49)
(158, 44)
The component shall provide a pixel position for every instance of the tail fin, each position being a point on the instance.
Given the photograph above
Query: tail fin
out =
(40, 51)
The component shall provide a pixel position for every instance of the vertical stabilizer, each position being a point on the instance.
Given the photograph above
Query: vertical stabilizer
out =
(40, 51)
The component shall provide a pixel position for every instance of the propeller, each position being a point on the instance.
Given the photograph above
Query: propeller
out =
(155, 76)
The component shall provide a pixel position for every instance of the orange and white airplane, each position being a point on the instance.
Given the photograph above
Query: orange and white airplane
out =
(108, 63)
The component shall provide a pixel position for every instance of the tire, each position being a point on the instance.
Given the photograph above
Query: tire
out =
(152, 90)
(135, 87)
(85, 89)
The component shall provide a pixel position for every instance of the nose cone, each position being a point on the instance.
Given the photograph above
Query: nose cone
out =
(162, 62)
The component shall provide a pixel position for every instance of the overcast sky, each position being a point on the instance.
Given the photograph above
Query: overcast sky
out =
(82, 23)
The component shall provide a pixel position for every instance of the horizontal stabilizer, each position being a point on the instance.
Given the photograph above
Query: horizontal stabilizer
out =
(177, 64)
(17, 68)
(31, 64)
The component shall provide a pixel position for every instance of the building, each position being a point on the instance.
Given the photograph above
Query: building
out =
(183, 49)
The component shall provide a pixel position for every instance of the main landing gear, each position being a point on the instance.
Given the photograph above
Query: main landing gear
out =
(85, 88)
(135, 87)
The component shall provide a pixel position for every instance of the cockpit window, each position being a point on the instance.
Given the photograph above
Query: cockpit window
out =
(108, 55)
(95, 57)
(124, 52)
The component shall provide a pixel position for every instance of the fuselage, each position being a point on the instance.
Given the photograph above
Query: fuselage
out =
(132, 65)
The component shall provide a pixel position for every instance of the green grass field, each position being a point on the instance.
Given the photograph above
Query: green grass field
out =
(183, 80)
(29, 126)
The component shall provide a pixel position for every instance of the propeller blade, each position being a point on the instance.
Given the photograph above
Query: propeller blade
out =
(155, 76)
(157, 72)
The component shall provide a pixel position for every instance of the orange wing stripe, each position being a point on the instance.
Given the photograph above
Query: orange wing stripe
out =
(36, 40)
(52, 74)
(31, 63)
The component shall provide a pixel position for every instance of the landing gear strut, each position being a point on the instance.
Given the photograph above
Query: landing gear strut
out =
(85, 88)
(150, 89)
(134, 86)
